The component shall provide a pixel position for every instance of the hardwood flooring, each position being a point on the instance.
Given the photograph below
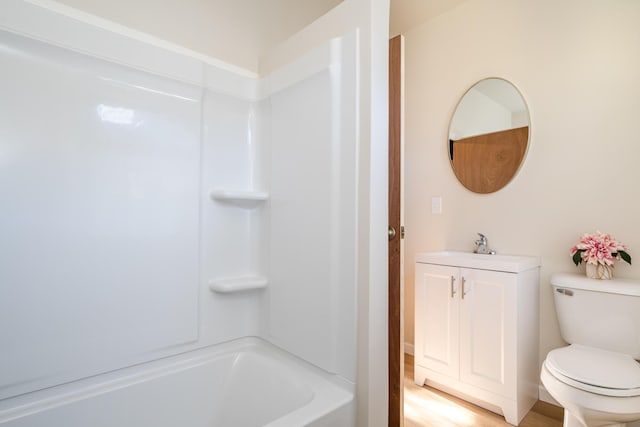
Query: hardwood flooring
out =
(428, 407)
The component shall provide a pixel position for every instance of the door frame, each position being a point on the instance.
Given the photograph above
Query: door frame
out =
(396, 309)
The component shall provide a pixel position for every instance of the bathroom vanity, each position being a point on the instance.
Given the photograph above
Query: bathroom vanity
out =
(476, 328)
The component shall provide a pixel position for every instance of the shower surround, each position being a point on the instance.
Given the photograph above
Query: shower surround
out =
(165, 213)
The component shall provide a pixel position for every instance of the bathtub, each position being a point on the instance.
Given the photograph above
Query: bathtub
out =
(243, 383)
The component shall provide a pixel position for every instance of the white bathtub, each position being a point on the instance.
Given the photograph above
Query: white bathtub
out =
(243, 383)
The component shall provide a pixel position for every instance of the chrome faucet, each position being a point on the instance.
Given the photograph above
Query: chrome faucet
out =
(482, 245)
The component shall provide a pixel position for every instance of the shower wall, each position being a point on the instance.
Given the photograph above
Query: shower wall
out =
(313, 207)
(154, 203)
(100, 190)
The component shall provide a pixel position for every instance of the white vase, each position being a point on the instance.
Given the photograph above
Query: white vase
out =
(599, 271)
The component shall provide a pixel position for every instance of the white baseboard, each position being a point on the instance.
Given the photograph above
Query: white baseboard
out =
(408, 348)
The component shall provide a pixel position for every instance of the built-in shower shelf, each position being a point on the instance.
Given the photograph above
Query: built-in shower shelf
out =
(239, 197)
(237, 284)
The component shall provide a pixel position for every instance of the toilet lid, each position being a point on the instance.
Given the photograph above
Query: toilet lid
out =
(595, 370)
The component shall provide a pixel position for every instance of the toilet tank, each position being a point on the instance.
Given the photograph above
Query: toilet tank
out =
(599, 313)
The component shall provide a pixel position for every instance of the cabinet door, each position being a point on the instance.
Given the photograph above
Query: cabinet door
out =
(436, 318)
(488, 329)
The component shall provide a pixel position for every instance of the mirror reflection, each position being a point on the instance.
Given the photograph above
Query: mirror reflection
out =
(488, 135)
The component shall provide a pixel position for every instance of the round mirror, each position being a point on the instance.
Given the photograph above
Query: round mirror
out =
(488, 135)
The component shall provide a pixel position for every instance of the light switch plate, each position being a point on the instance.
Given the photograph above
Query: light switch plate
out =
(436, 205)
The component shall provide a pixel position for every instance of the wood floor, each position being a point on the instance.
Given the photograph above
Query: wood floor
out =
(428, 407)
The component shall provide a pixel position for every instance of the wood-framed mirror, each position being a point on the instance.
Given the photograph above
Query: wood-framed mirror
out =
(489, 135)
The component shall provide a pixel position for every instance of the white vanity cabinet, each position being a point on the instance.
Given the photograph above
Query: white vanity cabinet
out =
(476, 328)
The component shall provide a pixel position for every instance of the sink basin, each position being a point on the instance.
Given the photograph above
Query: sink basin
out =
(508, 263)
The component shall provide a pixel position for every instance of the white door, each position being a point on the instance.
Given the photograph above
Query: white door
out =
(437, 309)
(487, 329)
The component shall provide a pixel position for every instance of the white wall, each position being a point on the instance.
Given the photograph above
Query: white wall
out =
(577, 66)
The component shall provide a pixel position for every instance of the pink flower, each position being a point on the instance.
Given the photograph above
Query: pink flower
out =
(599, 248)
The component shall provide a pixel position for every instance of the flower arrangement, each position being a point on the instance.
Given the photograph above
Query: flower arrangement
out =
(599, 249)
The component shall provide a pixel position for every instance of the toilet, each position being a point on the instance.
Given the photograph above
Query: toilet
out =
(596, 378)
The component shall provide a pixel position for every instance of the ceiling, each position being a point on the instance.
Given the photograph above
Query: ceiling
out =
(406, 14)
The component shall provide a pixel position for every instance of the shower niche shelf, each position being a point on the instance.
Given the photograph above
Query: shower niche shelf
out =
(240, 197)
(237, 284)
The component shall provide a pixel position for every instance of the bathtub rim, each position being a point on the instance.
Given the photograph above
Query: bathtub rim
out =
(322, 383)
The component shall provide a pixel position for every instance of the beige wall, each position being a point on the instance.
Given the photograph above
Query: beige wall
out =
(238, 32)
(577, 64)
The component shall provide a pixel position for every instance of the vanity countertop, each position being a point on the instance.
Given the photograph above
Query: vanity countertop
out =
(508, 263)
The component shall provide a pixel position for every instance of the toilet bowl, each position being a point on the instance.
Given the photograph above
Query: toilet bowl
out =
(597, 388)
(597, 377)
